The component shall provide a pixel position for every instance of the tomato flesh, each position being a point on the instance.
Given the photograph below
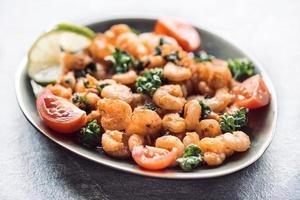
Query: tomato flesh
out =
(58, 113)
(153, 158)
(252, 93)
(185, 34)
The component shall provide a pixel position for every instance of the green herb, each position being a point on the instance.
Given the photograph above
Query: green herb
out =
(121, 61)
(100, 87)
(135, 31)
(89, 135)
(241, 68)
(149, 82)
(202, 56)
(235, 121)
(205, 110)
(191, 158)
(150, 106)
(172, 57)
(82, 103)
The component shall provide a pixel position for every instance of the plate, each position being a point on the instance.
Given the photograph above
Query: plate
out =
(261, 121)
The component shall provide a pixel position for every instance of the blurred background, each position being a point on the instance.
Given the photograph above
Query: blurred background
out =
(270, 29)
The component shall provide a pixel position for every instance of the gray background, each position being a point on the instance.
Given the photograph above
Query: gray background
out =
(32, 167)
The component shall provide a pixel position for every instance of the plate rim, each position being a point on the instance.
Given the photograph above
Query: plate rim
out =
(193, 175)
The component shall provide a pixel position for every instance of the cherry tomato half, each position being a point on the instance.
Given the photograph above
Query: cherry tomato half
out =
(58, 113)
(185, 34)
(252, 93)
(153, 158)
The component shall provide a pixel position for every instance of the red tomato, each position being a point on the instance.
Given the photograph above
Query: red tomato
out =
(185, 34)
(58, 113)
(153, 158)
(252, 93)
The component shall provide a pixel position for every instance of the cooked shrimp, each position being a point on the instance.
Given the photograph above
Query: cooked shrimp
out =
(211, 145)
(135, 140)
(125, 78)
(115, 114)
(221, 75)
(73, 61)
(177, 73)
(117, 91)
(191, 138)
(61, 91)
(173, 122)
(213, 159)
(92, 98)
(208, 128)
(192, 114)
(169, 142)
(94, 115)
(143, 122)
(237, 141)
(115, 144)
(100, 47)
(220, 101)
(169, 97)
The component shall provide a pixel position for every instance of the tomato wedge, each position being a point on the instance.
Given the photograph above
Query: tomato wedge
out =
(58, 113)
(153, 158)
(185, 34)
(252, 93)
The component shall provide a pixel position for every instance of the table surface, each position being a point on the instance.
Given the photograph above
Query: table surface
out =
(32, 167)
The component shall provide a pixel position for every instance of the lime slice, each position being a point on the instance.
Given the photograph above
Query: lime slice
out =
(45, 55)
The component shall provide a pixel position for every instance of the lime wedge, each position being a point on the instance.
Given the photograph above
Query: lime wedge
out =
(45, 55)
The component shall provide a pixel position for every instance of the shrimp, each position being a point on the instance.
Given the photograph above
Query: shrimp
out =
(115, 114)
(125, 78)
(208, 128)
(220, 101)
(92, 98)
(143, 122)
(213, 159)
(94, 115)
(153, 61)
(100, 47)
(68, 80)
(169, 97)
(115, 144)
(205, 89)
(221, 75)
(177, 73)
(192, 114)
(61, 91)
(117, 91)
(211, 145)
(169, 142)
(191, 138)
(72, 61)
(173, 122)
(237, 141)
(139, 100)
(135, 140)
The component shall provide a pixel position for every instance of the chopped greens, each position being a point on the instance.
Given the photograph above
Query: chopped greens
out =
(89, 136)
(121, 61)
(135, 31)
(202, 56)
(149, 82)
(241, 68)
(205, 110)
(150, 106)
(235, 121)
(191, 158)
(82, 103)
(100, 87)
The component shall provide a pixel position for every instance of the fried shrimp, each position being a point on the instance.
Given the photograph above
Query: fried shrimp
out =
(237, 141)
(176, 73)
(192, 114)
(60, 91)
(191, 138)
(208, 128)
(220, 101)
(115, 114)
(125, 78)
(135, 140)
(143, 122)
(169, 142)
(115, 144)
(117, 91)
(169, 97)
(174, 123)
(213, 159)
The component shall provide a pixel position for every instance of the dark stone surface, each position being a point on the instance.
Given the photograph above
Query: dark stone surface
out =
(32, 167)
